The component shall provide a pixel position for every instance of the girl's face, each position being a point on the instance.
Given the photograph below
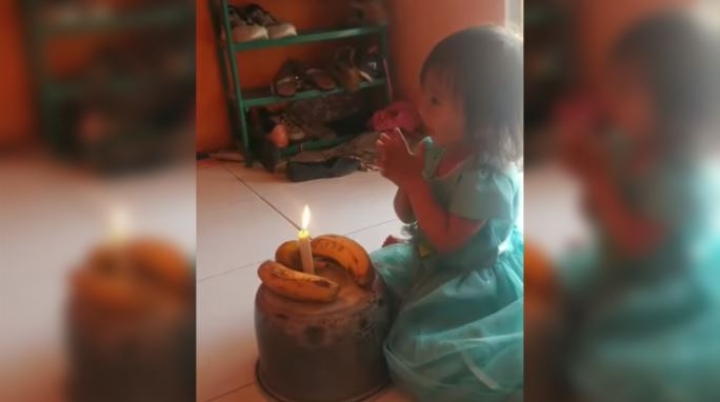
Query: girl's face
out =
(442, 112)
(630, 103)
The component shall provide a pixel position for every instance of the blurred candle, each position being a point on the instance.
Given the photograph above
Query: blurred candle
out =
(306, 256)
(119, 226)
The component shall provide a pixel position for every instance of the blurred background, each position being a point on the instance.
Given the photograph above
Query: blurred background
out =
(97, 200)
(621, 128)
(109, 83)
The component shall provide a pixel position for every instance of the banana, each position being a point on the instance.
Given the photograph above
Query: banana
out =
(288, 254)
(348, 254)
(297, 285)
(322, 264)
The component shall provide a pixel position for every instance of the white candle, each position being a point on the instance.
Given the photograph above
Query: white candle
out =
(119, 226)
(306, 256)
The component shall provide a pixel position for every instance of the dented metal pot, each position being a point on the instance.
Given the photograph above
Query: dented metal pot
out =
(323, 352)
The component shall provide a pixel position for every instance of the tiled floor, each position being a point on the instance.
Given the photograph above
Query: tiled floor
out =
(243, 215)
(551, 214)
(51, 216)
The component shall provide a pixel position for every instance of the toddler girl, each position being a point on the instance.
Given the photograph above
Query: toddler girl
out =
(457, 285)
(644, 298)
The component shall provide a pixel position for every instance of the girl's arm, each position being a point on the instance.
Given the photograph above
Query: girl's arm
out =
(634, 235)
(403, 209)
(446, 232)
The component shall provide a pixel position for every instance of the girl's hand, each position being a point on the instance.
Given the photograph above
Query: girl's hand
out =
(397, 163)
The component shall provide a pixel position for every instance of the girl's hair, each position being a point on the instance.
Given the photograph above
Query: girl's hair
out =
(483, 66)
(680, 62)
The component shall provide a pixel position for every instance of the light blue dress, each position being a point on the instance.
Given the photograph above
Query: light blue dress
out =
(458, 334)
(648, 328)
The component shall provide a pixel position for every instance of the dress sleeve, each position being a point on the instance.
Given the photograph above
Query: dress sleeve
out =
(482, 194)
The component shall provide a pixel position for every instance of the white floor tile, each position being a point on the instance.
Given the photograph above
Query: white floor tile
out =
(552, 217)
(226, 348)
(237, 235)
(217, 187)
(50, 220)
(339, 206)
(372, 238)
(257, 178)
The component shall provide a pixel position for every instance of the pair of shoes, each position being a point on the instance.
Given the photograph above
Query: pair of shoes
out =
(294, 77)
(252, 22)
(276, 29)
(333, 167)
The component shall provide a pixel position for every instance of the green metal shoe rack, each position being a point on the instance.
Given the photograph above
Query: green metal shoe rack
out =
(239, 100)
(52, 93)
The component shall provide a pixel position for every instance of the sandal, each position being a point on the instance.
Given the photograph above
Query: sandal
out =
(345, 70)
(319, 78)
(287, 82)
(243, 29)
(276, 29)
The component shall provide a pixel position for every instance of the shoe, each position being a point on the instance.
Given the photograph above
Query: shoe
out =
(270, 156)
(275, 28)
(334, 167)
(279, 136)
(317, 78)
(291, 126)
(243, 28)
(287, 81)
(345, 70)
(371, 64)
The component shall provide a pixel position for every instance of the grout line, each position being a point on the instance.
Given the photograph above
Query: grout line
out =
(266, 201)
(372, 226)
(256, 263)
(262, 198)
(215, 398)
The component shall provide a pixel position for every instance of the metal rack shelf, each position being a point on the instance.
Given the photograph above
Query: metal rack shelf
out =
(240, 100)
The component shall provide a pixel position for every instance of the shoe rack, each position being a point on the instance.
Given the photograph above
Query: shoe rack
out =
(549, 70)
(240, 100)
(54, 93)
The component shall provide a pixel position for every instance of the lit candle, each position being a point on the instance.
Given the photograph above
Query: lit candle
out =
(119, 226)
(306, 256)
(118, 235)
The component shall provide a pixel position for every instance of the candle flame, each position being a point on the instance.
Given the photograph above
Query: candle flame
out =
(119, 225)
(305, 218)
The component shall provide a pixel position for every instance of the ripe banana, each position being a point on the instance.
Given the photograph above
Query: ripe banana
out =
(348, 254)
(288, 254)
(297, 285)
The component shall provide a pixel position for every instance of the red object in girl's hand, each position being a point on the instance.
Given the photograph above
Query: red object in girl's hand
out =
(402, 115)
(397, 163)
